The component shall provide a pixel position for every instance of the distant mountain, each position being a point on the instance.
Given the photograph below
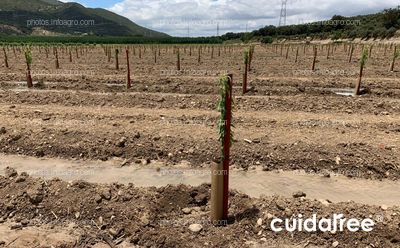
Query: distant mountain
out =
(52, 17)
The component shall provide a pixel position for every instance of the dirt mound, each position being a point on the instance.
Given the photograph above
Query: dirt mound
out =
(173, 216)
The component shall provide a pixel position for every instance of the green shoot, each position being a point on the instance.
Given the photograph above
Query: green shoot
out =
(28, 56)
(224, 90)
(364, 57)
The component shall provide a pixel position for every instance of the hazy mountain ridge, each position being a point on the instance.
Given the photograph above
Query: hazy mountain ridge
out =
(25, 17)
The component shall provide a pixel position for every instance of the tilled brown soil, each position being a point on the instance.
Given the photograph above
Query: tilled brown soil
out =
(279, 140)
(160, 217)
(291, 120)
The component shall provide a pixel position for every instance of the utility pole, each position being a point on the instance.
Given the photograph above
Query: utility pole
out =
(282, 19)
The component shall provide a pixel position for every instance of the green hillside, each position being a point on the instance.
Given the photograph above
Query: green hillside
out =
(25, 17)
(384, 24)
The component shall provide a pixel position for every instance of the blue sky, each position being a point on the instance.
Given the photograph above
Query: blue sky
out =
(202, 17)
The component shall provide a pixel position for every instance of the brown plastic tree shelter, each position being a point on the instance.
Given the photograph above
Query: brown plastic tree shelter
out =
(220, 171)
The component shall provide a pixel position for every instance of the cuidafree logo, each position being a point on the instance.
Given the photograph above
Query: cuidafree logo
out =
(335, 224)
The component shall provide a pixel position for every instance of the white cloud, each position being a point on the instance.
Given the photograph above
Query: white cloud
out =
(201, 16)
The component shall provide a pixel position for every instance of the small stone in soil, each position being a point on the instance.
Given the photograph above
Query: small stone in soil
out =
(16, 226)
(248, 141)
(39, 153)
(124, 163)
(145, 161)
(98, 198)
(324, 202)
(288, 212)
(145, 220)
(326, 174)
(299, 194)
(24, 222)
(195, 228)
(106, 194)
(122, 142)
(10, 172)
(280, 205)
(186, 210)
(113, 232)
(35, 196)
(201, 198)
(269, 216)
